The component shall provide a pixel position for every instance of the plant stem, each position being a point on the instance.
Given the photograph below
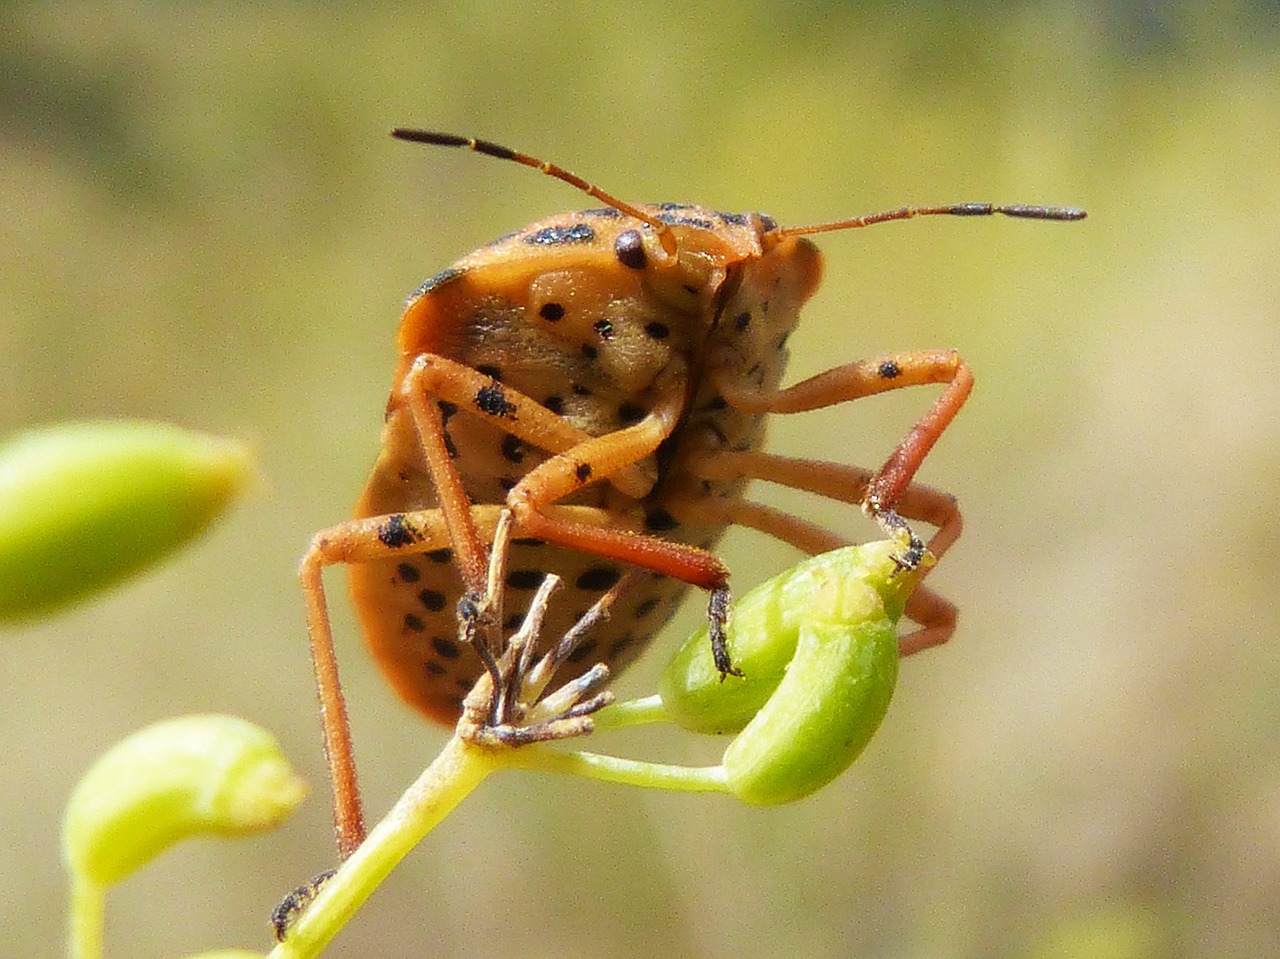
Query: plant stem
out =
(633, 712)
(88, 900)
(458, 770)
(629, 772)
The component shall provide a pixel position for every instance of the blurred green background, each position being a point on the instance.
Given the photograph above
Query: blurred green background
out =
(204, 221)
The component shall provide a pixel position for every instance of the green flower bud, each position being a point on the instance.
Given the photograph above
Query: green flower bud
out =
(850, 585)
(178, 778)
(818, 648)
(85, 504)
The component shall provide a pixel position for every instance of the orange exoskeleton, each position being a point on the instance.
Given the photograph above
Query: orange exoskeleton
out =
(606, 376)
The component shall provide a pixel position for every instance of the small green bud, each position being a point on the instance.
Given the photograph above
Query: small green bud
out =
(187, 776)
(85, 504)
(818, 648)
(851, 585)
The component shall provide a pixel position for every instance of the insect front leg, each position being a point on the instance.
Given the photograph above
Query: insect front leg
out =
(579, 460)
(601, 457)
(888, 485)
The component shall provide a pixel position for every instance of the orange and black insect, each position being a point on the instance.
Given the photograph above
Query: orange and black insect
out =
(606, 375)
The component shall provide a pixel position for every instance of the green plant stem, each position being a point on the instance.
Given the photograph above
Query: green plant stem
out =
(633, 712)
(88, 900)
(629, 772)
(458, 770)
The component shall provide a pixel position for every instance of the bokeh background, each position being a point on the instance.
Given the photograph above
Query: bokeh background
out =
(205, 222)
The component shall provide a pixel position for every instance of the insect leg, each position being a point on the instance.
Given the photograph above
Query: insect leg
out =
(601, 457)
(837, 481)
(887, 486)
(359, 541)
(935, 615)
(579, 460)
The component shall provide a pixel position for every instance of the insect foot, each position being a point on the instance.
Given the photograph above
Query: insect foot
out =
(509, 704)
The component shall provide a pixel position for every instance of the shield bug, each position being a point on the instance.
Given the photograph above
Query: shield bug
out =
(607, 376)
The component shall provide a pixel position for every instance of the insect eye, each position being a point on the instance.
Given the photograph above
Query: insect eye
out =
(629, 249)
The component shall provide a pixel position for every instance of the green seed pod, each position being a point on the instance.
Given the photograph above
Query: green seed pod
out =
(848, 585)
(85, 504)
(818, 647)
(822, 715)
(187, 776)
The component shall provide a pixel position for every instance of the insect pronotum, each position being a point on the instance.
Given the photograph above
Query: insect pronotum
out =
(607, 376)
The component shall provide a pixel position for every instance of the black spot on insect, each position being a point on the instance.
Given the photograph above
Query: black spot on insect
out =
(629, 249)
(493, 372)
(669, 205)
(432, 599)
(512, 448)
(620, 645)
(583, 651)
(604, 328)
(508, 483)
(782, 340)
(551, 312)
(735, 219)
(413, 623)
(657, 331)
(889, 370)
(513, 621)
(589, 351)
(492, 400)
(524, 578)
(768, 222)
(463, 683)
(446, 647)
(555, 404)
(717, 402)
(754, 370)
(408, 572)
(440, 555)
(742, 321)
(659, 520)
(435, 282)
(698, 222)
(579, 390)
(629, 413)
(447, 409)
(397, 532)
(556, 235)
(434, 668)
(646, 607)
(450, 447)
(583, 472)
(598, 578)
(604, 211)
(528, 541)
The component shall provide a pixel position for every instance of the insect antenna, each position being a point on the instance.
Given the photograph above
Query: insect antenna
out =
(1020, 211)
(665, 236)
